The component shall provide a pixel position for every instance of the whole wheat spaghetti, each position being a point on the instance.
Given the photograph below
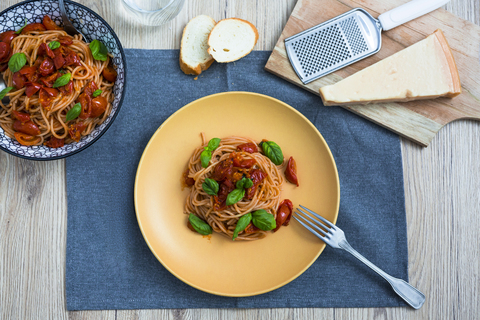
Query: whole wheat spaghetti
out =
(264, 194)
(48, 106)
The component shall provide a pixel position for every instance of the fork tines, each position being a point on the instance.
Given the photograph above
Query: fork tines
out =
(310, 223)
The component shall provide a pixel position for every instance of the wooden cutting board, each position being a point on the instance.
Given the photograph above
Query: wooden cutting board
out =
(416, 120)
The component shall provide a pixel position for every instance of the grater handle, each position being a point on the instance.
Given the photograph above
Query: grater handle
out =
(408, 11)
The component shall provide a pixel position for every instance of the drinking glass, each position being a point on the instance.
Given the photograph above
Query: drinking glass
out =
(153, 12)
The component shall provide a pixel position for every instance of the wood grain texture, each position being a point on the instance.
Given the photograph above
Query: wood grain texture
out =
(442, 184)
(415, 120)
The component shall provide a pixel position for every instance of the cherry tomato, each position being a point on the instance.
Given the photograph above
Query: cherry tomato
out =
(219, 201)
(240, 162)
(22, 116)
(248, 147)
(284, 213)
(30, 73)
(251, 228)
(291, 171)
(28, 127)
(46, 96)
(68, 88)
(5, 51)
(18, 80)
(31, 88)
(54, 142)
(52, 92)
(222, 170)
(257, 176)
(33, 27)
(86, 102)
(65, 40)
(3, 66)
(59, 60)
(72, 59)
(46, 67)
(109, 73)
(99, 105)
(90, 88)
(44, 49)
(49, 24)
(188, 182)
(75, 130)
(26, 140)
(8, 36)
(48, 81)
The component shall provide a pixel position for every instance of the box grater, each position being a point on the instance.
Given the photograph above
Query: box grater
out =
(347, 38)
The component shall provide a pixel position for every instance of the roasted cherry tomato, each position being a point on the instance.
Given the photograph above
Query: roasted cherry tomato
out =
(3, 66)
(257, 176)
(31, 88)
(49, 24)
(54, 142)
(251, 228)
(186, 180)
(284, 213)
(26, 140)
(75, 131)
(33, 27)
(28, 127)
(240, 162)
(99, 105)
(219, 201)
(291, 171)
(223, 170)
(86, 102)
(46, 67)
(7, 36)
(4, 52)
(90, 88)
(65, 40)
(248, 147)
(44, 50)
(68, 88)
(59, 59)
(30, 73)
(46, 96)
(48, 81)
(109, 73)
(22, 116)
(72, 59)
(18, 80)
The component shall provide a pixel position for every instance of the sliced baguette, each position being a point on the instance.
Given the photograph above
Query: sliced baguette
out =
(232, 39)
(194, 57)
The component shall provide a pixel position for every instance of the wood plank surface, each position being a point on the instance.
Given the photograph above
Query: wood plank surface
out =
(442, 184)
(415, 120)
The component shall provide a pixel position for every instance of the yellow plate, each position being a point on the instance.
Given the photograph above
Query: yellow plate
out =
(216, 264)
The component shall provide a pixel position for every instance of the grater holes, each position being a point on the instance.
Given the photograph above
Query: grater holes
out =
(354, 35)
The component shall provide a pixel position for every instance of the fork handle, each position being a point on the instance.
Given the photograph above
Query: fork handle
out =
(407, 292)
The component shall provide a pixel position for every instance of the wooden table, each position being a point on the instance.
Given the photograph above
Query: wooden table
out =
(442, 194)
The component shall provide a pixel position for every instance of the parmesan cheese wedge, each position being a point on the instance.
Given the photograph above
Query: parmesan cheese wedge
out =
(425, 70)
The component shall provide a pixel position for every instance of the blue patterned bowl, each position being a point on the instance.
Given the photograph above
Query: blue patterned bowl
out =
(93, 27)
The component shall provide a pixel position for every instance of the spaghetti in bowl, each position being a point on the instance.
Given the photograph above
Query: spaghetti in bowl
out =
(39, 122)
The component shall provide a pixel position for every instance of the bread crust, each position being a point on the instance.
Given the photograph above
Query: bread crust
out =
(238, 19)
(188, 69)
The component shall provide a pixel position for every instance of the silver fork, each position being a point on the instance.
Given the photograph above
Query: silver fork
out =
(334, 237)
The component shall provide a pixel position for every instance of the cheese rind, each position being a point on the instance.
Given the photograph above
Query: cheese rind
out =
(425, 70)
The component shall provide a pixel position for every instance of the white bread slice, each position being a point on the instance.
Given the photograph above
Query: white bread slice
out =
(425, 70)
(232, 39)
(194, 57)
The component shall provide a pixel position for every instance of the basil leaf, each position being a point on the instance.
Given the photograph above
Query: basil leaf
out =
(242, 223)
(213, 144)
(74, 112)
(272, 151)
(210, 186)
(235, 196)
(63, 80)
(4, 92)
(263, 220)
(54, 45)
(96, 93)
(199, 225)
(20, 30)
(205, 157)
(99, 51)
(244, 183)
(17, 61)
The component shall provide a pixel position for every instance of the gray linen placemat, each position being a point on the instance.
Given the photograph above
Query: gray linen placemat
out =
(109, 265)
